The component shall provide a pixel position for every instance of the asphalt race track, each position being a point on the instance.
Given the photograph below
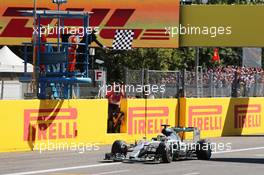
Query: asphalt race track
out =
(245, 158)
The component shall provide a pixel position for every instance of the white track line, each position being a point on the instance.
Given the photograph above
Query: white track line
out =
(259, 155)
(112, 172)
(64, 169)
(194, 173)
(238, 150)
(109, 164)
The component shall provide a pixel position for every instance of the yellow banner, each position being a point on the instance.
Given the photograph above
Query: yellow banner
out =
(148, 19)
(217, 117)
(36, 124)
(145, 117)
(222, 26)
(52, 124)
(65, 124)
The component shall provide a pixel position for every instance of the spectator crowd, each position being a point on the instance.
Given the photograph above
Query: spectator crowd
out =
(220, 81)
(243, 75)
(242, 81)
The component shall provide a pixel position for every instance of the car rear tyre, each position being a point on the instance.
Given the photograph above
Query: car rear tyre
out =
(203, 150)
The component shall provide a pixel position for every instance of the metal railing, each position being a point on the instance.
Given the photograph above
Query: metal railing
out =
(198, 84)
(201, 83)
(11, 90)
(15, 90)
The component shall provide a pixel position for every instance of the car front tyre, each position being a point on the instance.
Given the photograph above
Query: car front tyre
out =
(165, 153)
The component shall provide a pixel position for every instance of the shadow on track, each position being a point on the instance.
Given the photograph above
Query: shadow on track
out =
(239, 160)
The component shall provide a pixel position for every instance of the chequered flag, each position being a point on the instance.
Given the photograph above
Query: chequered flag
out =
(123, 40)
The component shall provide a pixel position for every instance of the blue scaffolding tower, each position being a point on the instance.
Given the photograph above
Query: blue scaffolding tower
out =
(57, 81)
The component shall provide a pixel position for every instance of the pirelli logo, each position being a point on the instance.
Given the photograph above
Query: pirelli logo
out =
(50, 124)
(148, 120)
(205, 117)
(247, 116)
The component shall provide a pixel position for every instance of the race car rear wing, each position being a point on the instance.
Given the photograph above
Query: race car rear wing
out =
(196, 131)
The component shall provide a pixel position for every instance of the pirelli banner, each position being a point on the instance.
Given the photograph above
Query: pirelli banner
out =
(75, 124)
(143, 118)
(47, 124)
(224, 116)
(148, 19)
(51, 124)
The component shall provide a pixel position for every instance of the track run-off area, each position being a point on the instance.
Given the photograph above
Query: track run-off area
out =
(246, 156)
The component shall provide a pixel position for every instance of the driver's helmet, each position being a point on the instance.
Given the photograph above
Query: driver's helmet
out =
(167, 131)
(161, 137)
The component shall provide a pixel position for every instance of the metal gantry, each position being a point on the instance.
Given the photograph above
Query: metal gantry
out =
(56, 81)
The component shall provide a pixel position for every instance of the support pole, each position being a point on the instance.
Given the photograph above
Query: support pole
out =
(33, 83)
(196, 69)
(2, 89)
(58, 39)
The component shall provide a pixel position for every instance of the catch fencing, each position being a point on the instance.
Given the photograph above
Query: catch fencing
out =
(200, 83)
(16, 90)
(156, 84)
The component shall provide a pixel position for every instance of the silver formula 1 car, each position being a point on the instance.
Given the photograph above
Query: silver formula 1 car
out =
(164, 148)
